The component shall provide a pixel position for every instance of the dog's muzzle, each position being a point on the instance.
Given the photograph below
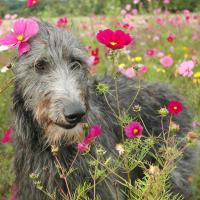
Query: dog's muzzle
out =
(73, 114)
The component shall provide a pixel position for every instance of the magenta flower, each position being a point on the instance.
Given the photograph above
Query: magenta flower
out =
(114, 39)
(7, 136)
(151, 52)
(94, 132)
(133, 129)
(82, 147)
(160, 21)
(143, 69)
(23, 30)
(167, 61)
(31, 3)
(94, 58)
(185, 68)
(175, 107)
(62, 22)
(171, 37)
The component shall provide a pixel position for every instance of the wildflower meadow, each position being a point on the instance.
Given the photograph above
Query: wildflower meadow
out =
(143, 40)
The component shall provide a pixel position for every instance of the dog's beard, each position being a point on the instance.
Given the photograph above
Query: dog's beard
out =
(54, 132)
(56, 135)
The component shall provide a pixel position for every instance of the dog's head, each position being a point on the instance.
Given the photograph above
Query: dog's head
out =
(52, 78)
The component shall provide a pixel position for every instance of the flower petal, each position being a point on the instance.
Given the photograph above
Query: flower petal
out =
(31, 29)
(19, 27)
(94, 131)
(7, 136)
(23, 48)
(9, 39)
(82, 147)
(105, 36)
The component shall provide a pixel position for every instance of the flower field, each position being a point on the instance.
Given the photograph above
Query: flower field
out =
(158, 46)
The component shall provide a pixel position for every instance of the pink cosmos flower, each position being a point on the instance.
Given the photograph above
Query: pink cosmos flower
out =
(195, 17)
(128, 7)
(7, 16)
(94, 58)
(194, 59)
(136, 1)
(143, 69)
(186, 12)
(128, 16)
(171, 37)
(62, 22)
(185, 68)
(187, 18)
(166, 1)
(174, 107)
(94, 132)
(127, 26)
(167, 61)
(128, 72)
(31, 3)
(134, 11)
(175, 21)
(114, 39)
(133, 129)
(160, 21)
(23, 30)
(157, 11)
(151, 52)
(7, 136)
(123, 12)
(160, 54)
(13, 198)
(82, 147)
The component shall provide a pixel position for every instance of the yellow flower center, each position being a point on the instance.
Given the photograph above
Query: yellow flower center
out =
(113, 43)
(175, 108)
(135, 131)
(20, 37)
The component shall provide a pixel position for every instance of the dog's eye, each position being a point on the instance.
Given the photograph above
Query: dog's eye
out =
(75, 65)
(40, 65)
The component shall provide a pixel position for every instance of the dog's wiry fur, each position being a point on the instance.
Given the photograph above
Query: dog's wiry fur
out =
(40, 96)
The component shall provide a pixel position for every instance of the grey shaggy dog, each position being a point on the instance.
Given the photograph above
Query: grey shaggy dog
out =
(52, 94)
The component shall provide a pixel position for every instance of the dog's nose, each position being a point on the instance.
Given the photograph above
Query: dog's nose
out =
(73, 113)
